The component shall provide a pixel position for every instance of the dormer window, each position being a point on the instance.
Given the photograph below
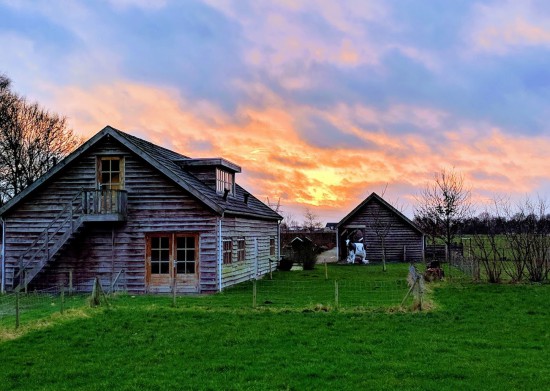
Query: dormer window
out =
(225, 181)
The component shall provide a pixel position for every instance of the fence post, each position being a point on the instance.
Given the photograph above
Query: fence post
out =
(70, 282)
(174, 286)
(420, 293)
(336, 294)
(254, 293)
(62, 299)
(16, 310)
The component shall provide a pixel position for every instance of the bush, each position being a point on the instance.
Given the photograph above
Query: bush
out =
(307, 256)
(285, 264)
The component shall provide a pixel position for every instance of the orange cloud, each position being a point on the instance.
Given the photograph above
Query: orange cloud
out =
(278, 163)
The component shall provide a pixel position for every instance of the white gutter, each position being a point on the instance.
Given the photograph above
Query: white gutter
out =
(3, 267)
(278, 242)
(220, 252)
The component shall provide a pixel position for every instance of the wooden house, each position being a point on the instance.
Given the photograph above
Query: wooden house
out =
(131, 212)
(380, 226)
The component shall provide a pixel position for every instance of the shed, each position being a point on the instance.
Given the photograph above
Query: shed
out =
(126, 210)
(381, 226)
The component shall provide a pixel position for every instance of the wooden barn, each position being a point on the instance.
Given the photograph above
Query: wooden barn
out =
(380, 226)
(133, 213)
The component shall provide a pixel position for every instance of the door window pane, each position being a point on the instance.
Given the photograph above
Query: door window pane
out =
(185, 255)
(160, 255)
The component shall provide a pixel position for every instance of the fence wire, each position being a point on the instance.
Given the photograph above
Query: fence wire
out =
(16, 309)
(318, 294)
(266, 293)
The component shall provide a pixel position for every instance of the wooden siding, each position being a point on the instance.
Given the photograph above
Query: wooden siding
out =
(103, 249)
(207, 175)
(256, 262)
(403, 243)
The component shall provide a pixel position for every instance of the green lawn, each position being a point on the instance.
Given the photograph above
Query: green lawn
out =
(475, 337)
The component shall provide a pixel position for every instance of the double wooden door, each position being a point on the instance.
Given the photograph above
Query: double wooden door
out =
(172, 260)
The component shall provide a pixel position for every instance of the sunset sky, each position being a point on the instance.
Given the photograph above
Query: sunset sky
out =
(320, 102)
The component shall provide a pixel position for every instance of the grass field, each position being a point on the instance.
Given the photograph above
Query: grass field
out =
(489, 337)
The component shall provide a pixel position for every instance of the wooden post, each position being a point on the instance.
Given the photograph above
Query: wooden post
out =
(70, 282)
(62, 299)
(326, 271)
(270, 269)
(420, 294)
(174, 286)
(409, 292)
(102, 292)
(336, 294)
(16, 310)
(254, 294)
(94, 300)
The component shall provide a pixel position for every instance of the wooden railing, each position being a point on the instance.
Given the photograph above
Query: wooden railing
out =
(84, 205)
(104, 202)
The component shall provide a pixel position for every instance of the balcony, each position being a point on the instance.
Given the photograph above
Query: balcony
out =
(104, 205)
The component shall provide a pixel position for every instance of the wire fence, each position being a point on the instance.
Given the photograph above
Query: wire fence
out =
(466, 265)
(322, 295)
(19, 308)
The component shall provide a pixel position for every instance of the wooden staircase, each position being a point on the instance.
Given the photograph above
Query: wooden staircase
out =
(85, 207)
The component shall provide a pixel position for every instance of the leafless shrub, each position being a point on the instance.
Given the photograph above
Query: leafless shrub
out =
(529, 238)
(488, 251)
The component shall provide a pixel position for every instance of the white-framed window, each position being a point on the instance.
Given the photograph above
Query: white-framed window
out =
(225, 181)
(272, 247)
(227, 251)
(241, 250)
(110, 173)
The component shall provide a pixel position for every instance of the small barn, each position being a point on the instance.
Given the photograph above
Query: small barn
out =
(381, 227)
(128, 211)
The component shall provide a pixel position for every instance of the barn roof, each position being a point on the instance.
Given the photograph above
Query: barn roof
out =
(168, 163)
(368, 200)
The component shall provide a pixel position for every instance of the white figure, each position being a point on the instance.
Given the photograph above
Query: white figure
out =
(356, 249)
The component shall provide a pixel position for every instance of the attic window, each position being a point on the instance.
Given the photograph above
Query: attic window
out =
(225, 181)
(111, 173)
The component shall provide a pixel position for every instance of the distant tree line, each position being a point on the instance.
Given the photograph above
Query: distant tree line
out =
(485, 223)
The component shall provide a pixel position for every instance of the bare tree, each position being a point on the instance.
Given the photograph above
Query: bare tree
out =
(32, 140)
(488, 251)
(529, 240)
(311, 220)
(443, 204)
(381, 223)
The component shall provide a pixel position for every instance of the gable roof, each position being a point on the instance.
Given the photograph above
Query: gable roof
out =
(375, 196)
(166, 162)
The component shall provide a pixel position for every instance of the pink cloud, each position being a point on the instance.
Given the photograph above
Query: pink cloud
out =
(500, 27)
(278, 163)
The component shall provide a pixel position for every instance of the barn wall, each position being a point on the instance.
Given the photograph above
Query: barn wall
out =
(256, 263)
(402, 241)
(103, 249)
